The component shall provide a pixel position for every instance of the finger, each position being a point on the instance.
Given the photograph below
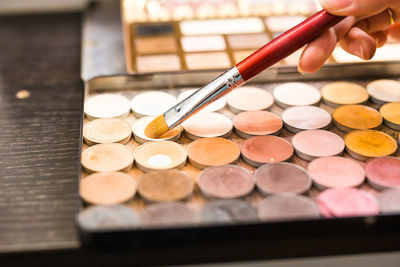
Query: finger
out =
(356, 7)
(319, 50)
(359, 43)
(375, 23)
(380, 38)
(394, 31)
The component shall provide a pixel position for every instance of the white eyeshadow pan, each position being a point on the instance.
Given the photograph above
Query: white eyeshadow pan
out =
(217, 105)
(221, 26)
(107, 106)
(305, 118)
(283, 23)
(158, 63)
(201, 61)
(152, 103)
(296, 94)
(203, 43)
(384, 91)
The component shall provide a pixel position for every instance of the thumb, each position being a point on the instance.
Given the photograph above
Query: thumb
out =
(355, 7)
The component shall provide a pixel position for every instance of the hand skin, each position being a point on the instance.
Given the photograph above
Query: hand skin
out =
(365, 28)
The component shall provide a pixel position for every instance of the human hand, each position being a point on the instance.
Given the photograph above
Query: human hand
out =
(366, 27)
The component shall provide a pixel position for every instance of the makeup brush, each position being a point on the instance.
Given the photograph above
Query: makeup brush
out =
(263, 58)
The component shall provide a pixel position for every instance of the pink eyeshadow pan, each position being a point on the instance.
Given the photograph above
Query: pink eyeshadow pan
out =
(345, 202)
(266, 149)
(383, 172)
(313, 144)
(252, 123)
(336, 172)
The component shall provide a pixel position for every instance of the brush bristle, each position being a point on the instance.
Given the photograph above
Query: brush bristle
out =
(156, 127)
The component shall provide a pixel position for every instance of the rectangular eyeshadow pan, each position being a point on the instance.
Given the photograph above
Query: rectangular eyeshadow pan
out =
(246, 41)
(203, 43)
(199, 61)
(222, 26)
(156, 44)
(155, 63)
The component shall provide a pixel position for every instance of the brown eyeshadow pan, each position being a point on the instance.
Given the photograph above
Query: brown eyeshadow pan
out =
(266, 149)
(155, 44)
(168, 185)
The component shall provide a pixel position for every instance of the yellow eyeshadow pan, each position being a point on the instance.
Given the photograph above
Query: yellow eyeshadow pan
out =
(107, 131)
(356, 117)
(391, 115)
(366, 144)
(344, 93)
(160, 155)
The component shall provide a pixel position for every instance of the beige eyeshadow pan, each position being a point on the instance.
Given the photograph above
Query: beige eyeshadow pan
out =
(203, 43)
(247, 41)
(207, 60)
(207, 124)
(155, 44)
(249, 98)
(155, 63)
(107, 131)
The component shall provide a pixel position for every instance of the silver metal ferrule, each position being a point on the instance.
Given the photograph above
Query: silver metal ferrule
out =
(218, 87)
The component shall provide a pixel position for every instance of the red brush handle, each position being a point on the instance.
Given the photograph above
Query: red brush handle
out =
(286, 44)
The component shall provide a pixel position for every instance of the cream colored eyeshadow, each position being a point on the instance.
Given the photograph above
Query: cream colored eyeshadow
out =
(198, 61)
(218, 104)
(107, 106)
(152, 103)
(221, 26)
(283, 23)
(247, 41)
(158, 63)
(249, 98)
(384, 90)
(107, 131)
(296, 94)
(208, 124)
(203, 43)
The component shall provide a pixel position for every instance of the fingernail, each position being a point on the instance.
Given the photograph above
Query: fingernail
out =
(335, 4)
(300, 69)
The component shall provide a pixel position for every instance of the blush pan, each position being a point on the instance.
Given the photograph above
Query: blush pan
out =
(335, 172)
(282, 178)
(253, 123)
(383, 172)
(265, 149)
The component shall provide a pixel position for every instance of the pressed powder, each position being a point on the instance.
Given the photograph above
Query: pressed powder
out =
(107, 158)
(108, 217)
(383, 91)
(296, 94)
(333, 172)
(155, 44)
(389, 201)
(207, 124)
(287, 207)
(344, 202)
(248, 98)
(216, 105)
(160, 155)
(311, 144)
(152, 103)
(344, 93)
(209, 60)
(366, 144)
(391, 115)
(356, 117)
(383, 172)
(228, 211)
(227, 181)
(168, 185)
(154, 63)
(213, 151)
(140, 125)
(282, 177)
(107, 131)
(265, 149)
(247, 41)
(300, 118)
(252, 123)
(168, 214)
(203, 43)
(107, 106)
(107, 188)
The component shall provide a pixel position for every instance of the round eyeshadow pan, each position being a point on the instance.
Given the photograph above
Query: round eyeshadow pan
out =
(356, 117)
(212, 151)
(168, 214)
(344, 93)
(107, 188)
(140, 125)
(168, 185)
(311, 144)
(160, 155)
(207, 124)
(296, 119)
(282, 177)
(227, 181)
(216, 105)
(296, 94)
(335, 172)
(287, 207)
(383, 172)
(152, 103)
(248, 98)
(108, 217)
(391, 115)
(107, 158)
(265, 149)
(345, 202)
(366, 144)
(107, 106)
(102, 131)
(383, 91)
(389, 201)
(228, 211)
(253, 123)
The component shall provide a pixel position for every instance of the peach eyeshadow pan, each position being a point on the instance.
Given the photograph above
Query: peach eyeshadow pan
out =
(344, 93)
(252, 123)
(207, 124)
(248, 98)
(391, 115)
(107, 131)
